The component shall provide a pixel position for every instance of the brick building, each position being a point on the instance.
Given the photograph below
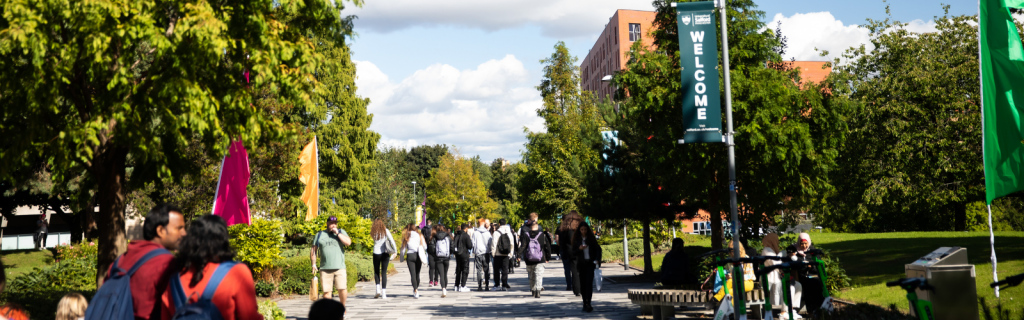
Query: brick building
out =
(609, 52)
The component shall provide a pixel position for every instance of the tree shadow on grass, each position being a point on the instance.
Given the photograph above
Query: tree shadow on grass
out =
(873, 261)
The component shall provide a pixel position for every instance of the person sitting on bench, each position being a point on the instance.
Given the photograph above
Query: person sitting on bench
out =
(675, 268)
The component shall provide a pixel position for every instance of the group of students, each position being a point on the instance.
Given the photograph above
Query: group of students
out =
(491, 245)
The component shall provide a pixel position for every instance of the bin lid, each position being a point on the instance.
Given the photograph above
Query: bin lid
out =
(943, 256)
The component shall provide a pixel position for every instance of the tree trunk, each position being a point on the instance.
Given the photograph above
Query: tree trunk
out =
(109, 170)
(648, 264)
(960, 216)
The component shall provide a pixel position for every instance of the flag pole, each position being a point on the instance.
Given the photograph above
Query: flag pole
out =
(981, 100)
(216, 192)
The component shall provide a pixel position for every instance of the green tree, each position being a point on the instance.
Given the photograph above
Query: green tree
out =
(86, 85)
(456, 193)
(913, 160)
(423, 159)
(392, 189)
(504, 189)
(559, 159)
(787, 132)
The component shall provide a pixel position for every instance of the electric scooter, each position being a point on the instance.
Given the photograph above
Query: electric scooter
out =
(922, 308)
(786, 267)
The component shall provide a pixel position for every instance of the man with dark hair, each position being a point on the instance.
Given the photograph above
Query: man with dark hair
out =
(327, 309)
(330, 243)
(163, 228)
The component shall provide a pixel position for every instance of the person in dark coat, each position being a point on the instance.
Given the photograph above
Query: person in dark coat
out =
(461, 247)
(535, 269)
(432, 272)
(563, 236)
(810, 282)
(675, 268)
(441, 264)
(588, 257)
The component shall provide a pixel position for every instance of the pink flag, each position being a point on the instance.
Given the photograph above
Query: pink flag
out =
(232, 201)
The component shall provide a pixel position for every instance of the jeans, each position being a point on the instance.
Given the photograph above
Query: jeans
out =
(414, 263)
(572, 276)
(441, 267)
(380, 269)
(461, 269)
(586, 276)
(432, 267)
(40, 239)
(501, 271)
(483, 269)
(536, 273)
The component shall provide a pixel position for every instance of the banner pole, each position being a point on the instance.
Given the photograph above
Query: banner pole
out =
(992, 243)
(739, 304)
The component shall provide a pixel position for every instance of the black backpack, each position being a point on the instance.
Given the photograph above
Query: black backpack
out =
(504, 245)
(114, 299)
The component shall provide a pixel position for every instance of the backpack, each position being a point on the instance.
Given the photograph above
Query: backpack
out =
(114, 299)
(504, 245)
(534, 252)
(442, 248)
(203, 309)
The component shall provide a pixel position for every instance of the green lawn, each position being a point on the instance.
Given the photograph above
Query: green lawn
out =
(20, 262)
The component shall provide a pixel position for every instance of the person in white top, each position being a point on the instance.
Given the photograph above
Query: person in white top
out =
(382, 242)
(414, 250)
(482, 251)
(772, 248)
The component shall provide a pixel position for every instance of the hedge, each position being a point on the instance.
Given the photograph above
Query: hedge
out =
(613, 252)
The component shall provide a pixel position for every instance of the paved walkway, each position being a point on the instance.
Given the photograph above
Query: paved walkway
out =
(517, 303)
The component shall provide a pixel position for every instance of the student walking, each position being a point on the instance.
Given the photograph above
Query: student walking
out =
(441, 241)
(432, 273)
(414, 249)
(588, 256)
(501, 247)
(330, 243)
(208, 273)
(535, 253)
(564, 235)
(163, 230)
(383, 247)
(463, 244)
(482, 251)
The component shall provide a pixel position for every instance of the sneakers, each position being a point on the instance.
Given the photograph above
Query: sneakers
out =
(465, 289)
(378, 292)
(416, 295)
(383, 293)
(536, 294)
(444, 293)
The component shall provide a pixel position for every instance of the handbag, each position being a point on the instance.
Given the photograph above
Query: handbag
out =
(314, 291)
(388, 248)
(598, 278)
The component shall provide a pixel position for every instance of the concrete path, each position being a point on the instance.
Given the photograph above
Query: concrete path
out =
(517, 303)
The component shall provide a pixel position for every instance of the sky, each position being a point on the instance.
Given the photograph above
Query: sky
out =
(463, 72)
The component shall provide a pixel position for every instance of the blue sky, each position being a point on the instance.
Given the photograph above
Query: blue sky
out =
(462, 72)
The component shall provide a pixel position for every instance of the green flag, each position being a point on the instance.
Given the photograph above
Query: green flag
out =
(1002, 90)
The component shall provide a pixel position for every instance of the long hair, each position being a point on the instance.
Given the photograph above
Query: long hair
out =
(434, 230)
(409, 229)
(578, 236)
(378, 230)
(72, 306)
(206, 242)
(570, 221)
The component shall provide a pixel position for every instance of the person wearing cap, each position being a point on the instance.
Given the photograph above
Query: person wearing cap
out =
(330, 243)
(808, 284)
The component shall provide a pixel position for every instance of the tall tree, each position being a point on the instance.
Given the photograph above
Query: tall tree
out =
(504, 189)
(913, 160)
(456, 193)
(88, 84)
(559, 159)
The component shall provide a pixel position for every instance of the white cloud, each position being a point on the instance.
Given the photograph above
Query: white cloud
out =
(482, 111)
(557, 18)
(820, 30)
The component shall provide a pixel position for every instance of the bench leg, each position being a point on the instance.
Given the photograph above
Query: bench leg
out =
(657, 312)
(757, 313)
(668, 312)
(646, 310)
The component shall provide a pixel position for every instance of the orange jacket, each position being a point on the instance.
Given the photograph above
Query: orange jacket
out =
(235, 297)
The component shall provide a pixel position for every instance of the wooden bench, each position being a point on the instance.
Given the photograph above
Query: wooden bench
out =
(662, 302)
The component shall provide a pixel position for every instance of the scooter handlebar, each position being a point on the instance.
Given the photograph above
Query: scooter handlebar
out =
(911, 284)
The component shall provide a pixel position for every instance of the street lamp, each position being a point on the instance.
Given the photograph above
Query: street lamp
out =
(414, 194)
(608, 79)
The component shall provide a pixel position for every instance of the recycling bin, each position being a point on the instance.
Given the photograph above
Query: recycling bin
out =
(955, 296)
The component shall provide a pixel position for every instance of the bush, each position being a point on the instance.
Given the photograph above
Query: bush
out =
(353, 277)
(363, 265)
(293, 286)
(270, 310)
(296, 268)
(39, 290)
(264, 289)
(71, 252)
(258, 245)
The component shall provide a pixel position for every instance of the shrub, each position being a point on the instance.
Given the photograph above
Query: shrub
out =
(264, 289)
(70, 252)
(363, 265)
(352, 277)
(293, 286)
(296, 268)
(259, 244)
(613, 252)
(39, 290)
(270, 310)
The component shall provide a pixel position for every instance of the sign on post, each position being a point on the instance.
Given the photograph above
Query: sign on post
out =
(698, 54)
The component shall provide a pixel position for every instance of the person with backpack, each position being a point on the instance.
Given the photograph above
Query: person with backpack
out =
(330, 244)
(209, 282)
(501, 246)
(461, 247)
(140, 275)
(588, 257)
(566, 230)
(432, 274)
(482, 252)
(414, 249)
(441, 242)
(535, 253)
(383, 247)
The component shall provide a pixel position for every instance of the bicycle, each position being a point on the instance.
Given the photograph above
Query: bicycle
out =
(922, 308)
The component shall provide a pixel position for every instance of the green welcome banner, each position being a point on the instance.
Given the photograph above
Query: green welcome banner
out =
(698, 54)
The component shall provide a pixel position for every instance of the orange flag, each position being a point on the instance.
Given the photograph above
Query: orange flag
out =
(309, 174)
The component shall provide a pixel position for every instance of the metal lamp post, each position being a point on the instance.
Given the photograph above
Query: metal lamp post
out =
(625, 223)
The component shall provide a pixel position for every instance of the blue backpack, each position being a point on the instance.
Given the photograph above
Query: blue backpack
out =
(203, 309)
(114, 299)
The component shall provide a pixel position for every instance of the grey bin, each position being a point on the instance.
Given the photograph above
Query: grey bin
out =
(956, 295)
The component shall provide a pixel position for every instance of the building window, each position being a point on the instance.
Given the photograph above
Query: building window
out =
(634, 31)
